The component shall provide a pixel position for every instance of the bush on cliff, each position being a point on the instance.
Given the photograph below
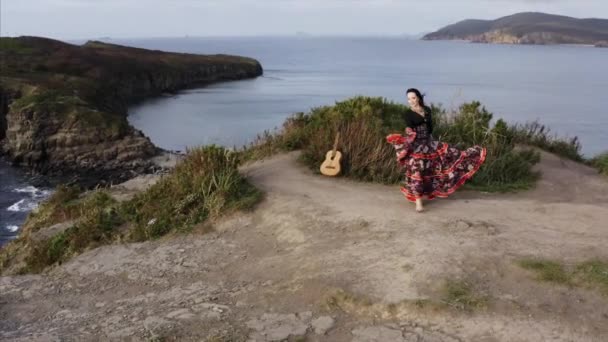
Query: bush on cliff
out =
(204, 186)
(600, 162)
(363, 123)
(536, 134)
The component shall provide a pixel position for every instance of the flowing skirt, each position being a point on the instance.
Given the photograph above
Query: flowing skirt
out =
(433, 168)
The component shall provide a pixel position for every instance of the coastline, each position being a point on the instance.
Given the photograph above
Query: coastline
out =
(88, 141)
(79, 128)
(505, 43)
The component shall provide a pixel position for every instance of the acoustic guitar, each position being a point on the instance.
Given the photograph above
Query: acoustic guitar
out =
(331, 164)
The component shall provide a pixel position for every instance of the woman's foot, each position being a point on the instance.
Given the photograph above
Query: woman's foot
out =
(419, 207)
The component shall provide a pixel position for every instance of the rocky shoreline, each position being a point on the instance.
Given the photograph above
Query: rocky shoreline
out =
(63, 107)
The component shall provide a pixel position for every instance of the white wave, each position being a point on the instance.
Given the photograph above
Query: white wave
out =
(12, 229)
(44, 194)
(23, 206)
(34, 192)
(30, 189)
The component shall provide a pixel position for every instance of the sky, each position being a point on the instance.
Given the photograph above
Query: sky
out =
(77, 19)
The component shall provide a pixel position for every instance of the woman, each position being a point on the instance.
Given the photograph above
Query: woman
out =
(432, 168)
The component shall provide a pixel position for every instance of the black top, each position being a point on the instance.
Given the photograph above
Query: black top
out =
(413, 119)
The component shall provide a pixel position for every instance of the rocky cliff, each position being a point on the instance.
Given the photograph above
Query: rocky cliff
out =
(63, 107)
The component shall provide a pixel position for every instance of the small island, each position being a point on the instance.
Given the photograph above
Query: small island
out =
(527, 28)
(63, 107)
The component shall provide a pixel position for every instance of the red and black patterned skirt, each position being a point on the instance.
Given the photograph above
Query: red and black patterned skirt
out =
(433, 168)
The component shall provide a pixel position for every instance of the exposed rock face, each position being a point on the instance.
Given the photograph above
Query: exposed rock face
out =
(51, 143)
(540, 38)
(63, 107)
(6, 96)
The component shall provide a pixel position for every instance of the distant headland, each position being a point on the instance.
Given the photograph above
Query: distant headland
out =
(527, 28)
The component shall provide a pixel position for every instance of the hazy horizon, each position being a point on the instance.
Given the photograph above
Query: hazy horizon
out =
(275, 35)
(120, 19)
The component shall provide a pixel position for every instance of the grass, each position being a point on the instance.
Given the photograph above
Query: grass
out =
(343, 300)
(538, 135)
(203, 187)
(95, 221)
(546, 270)
(461, 295)
(62, 206)
(600, 162)
(47, 100)
(591, 273)
(594, 272)
(12, 45)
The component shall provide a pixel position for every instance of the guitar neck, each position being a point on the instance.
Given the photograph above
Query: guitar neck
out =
(336, 143)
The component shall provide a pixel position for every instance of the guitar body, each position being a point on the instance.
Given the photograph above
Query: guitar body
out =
(331, 165)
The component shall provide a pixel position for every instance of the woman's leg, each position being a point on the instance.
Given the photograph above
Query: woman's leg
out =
(419, 207)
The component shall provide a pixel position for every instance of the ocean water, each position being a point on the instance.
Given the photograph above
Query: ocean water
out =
(19, 194)
(564, 87)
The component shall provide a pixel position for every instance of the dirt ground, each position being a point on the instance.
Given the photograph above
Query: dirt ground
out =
(328, 259)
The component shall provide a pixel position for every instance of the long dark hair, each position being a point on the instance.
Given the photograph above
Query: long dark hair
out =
(420, 96)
